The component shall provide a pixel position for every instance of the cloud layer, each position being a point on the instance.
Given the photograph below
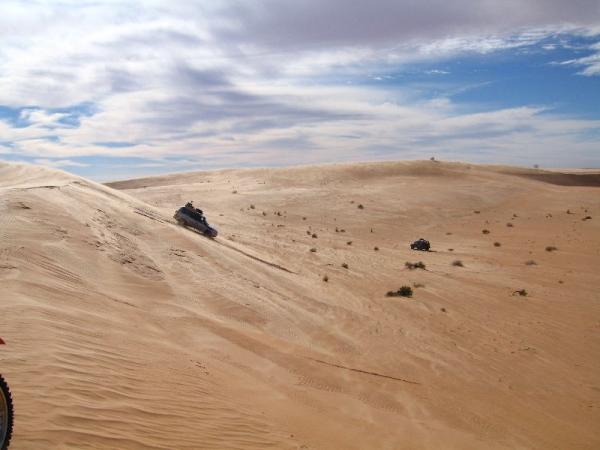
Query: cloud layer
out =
(273, 82)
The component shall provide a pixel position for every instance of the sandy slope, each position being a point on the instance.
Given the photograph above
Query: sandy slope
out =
(127, 331)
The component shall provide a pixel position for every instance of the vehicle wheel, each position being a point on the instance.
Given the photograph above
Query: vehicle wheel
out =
(6, 415)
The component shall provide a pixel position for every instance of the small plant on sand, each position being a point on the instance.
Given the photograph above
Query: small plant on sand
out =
(360, 206)
(342, 230)
(252, 207)
(521, 292)
(458, 263)
(416, 265)
(485, 231)
(376, 248)
(509, 225)
(531, 262)
(234, 192)
(344, 265)
(325, 278)
(349, 243)
(477, 212)
(450, 249)
(264, 213)
(337, 230)
(551, 248)
(497, 244)
(587, 218)
(569, 211)
(404, 291)
(314, 235)
(313, 250)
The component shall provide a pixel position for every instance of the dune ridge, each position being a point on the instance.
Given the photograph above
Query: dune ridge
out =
(128, 331)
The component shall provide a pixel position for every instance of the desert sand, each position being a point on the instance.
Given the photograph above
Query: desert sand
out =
(127, 331)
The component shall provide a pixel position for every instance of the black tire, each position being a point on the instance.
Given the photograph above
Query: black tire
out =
(6, 415)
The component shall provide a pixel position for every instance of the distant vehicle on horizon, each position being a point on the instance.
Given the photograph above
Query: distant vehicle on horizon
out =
(421, 244)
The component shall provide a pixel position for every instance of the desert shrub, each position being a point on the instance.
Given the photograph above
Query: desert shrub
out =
(509, 225)
(264, 213)
(569, 211)
(344, 265)
(448, 233)
(325, 278)
(360, 206)
(349, 243)
(252, 207)
(337, 230)
(418, 285)
(450, 249)
(497, 244)
(521, 292)
(234, 192)
(458, 263)
(404, 291)
(416, 265)
(314, 235)
(313, 250)
(342, 230)
(551, 248)
(477, 212)
(304, 218)
(443, 309)
(531, 262)
(485, 231)
(376, 248)
(587, 218)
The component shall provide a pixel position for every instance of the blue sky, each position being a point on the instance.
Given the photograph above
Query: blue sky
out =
(112, 89)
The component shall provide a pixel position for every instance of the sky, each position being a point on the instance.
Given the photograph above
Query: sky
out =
(116, 89)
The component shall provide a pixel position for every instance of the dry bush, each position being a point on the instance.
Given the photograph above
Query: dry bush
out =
(416, 265)
(497, 244)
(252, 207)
(361, 206)
(509, 225)
(485, 231)
(313, 250)
(531, 262)
(521, 292)
(344, 265)
(404, 291)
(458, 263)
(551, 248)
(376, 248)
(349, 243)
(587, 218)
(325, 278)
(314, 236)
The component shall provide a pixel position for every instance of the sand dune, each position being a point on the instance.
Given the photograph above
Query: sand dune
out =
(128, 331)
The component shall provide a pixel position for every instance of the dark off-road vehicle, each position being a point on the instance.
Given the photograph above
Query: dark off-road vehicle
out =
(194, 218)
(421, 244)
